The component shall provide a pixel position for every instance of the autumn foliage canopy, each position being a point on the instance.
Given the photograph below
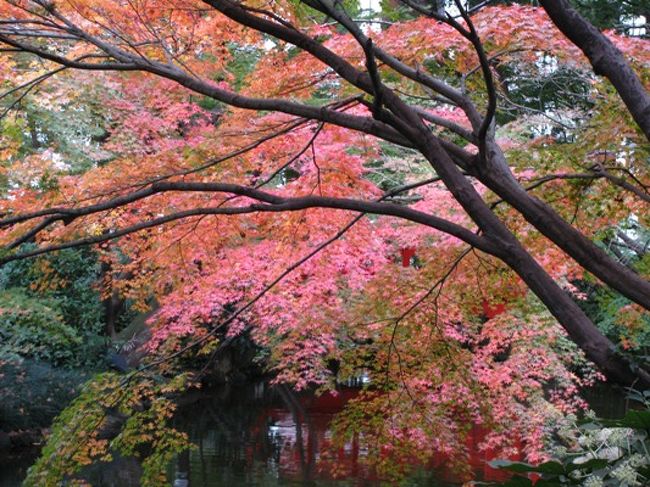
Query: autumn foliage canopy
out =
(264, 168)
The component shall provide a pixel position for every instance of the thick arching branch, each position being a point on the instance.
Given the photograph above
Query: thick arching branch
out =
(481, 124)
(605, 58)
(270, 203)
(130, 63)
(402, 124)
(63, 61)
(337, 12)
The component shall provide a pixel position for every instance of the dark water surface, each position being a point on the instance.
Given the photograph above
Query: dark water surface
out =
(270, 436)
(257, 435)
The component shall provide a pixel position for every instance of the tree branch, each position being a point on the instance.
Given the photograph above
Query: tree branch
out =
(270, 203)
(605, 58)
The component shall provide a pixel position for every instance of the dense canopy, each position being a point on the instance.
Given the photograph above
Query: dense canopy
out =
(428, 196)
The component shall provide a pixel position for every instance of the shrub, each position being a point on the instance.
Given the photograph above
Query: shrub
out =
(34, 328)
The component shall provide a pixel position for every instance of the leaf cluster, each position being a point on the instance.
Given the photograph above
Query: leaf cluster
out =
(113, 415)
(592, 453)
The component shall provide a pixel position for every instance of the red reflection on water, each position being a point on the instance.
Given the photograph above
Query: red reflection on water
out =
(303, 428)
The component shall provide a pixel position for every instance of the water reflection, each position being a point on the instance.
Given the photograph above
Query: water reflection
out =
(256, 435)
(270, 436)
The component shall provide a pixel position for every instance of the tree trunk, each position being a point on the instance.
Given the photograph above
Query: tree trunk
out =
(497, 176)
(598, 348)
(582, 331)
(605, 58)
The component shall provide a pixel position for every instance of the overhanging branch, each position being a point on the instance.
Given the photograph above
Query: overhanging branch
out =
(269, 202)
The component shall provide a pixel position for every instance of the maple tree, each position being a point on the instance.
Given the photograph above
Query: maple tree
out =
(275, 196)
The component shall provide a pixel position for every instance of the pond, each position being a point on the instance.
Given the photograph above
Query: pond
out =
(268, 436)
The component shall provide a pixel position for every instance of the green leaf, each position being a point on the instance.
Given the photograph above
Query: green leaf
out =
(633, 419)
(518, 482)
(590, 465)
(554, 468)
